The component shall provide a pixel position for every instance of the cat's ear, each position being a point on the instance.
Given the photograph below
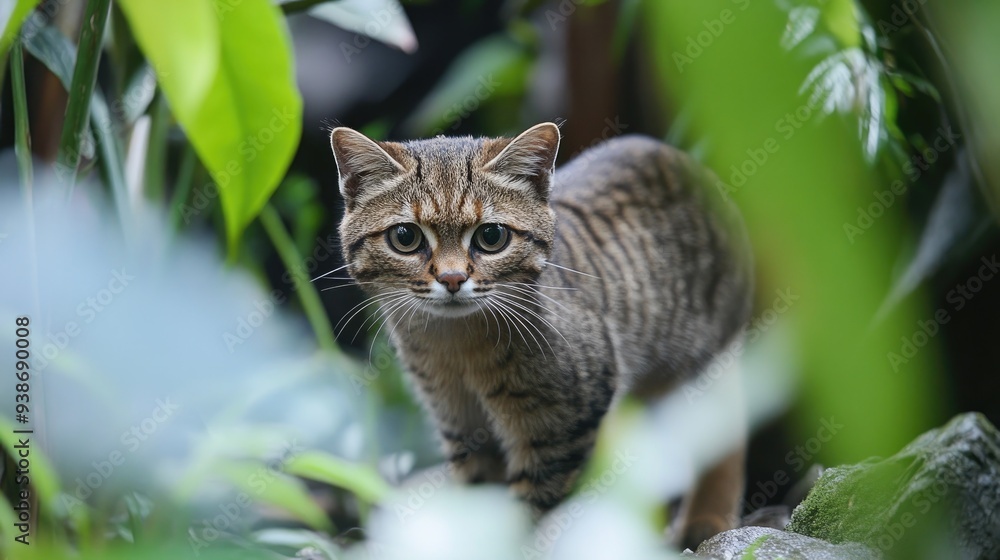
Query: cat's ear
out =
(360, 162)
(531, 158)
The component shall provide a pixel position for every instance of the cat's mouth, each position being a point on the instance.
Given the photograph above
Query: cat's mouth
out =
(450, 307)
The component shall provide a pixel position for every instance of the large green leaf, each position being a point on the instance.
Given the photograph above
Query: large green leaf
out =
(182, 43)
(245, 126)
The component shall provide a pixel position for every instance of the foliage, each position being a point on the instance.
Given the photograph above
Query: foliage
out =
(803, 108)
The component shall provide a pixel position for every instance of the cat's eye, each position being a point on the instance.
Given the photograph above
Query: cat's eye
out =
(405, 238)
(491, 238)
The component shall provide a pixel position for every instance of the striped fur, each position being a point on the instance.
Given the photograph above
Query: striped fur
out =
(520, 378)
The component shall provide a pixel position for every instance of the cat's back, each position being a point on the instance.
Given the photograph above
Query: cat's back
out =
(626, 167)
(671, 253)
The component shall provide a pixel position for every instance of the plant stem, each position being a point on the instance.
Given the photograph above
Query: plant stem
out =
(308, 295)
(88, 58)
(156, 150)
(296, 6)
(182, 187)
(22, 132)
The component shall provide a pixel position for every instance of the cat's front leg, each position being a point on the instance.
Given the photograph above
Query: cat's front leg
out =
(547, 450)
(474, 454)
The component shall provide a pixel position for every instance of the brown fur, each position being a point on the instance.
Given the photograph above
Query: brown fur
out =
(621, 274)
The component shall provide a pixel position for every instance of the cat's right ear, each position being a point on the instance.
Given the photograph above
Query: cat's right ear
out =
(360, 162)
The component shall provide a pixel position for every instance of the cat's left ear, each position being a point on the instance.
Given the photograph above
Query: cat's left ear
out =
(529, 159)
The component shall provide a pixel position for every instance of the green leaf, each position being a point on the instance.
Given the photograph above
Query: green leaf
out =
(184, 67)
(277, 489)
(298, 540)
(12, 21)
(364, 482)
(493, 67)
(43, 476)
(245, 125)
(382, 20)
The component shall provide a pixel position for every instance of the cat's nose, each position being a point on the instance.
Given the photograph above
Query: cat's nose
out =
(453, 280)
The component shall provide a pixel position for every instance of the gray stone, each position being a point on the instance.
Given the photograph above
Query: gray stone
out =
(764, 543)
(940, 493)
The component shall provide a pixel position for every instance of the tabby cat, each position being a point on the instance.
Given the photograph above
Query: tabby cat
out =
(525, 302)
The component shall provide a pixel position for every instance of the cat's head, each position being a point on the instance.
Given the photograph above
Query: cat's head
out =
(447, 220)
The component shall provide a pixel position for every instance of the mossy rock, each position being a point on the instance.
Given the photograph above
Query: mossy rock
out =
(765, 543)
(941, 492)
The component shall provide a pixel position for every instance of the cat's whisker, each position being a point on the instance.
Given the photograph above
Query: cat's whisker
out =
(388, 317)
(413, 311)
(531, 323)
(374, 318)
(528, 297)
(550, 263)
(482, 309)
(537, 293)
(325, 274)
(486, 304)
(508, 322)
(348, 316)
(513, 314)
(540, 318)
(345, 286)
(539, 286)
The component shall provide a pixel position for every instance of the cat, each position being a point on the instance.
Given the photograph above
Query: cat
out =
(524, 301)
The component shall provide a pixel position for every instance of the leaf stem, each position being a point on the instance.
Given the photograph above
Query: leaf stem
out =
(308, 295)
(88, 58)
(22, 132)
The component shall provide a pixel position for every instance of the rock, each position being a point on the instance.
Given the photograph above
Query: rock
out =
(941, 492)
(776, 517)
(763, 543)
